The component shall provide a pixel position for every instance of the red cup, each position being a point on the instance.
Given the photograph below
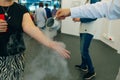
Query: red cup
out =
(2, 16)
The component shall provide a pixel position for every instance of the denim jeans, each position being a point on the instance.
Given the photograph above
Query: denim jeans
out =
(85, 40)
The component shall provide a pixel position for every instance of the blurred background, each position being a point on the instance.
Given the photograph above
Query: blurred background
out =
(33, 4)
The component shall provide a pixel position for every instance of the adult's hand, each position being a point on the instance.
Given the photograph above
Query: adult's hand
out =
(3, 25)
(76, 19)
(62, 13)
(60, 49)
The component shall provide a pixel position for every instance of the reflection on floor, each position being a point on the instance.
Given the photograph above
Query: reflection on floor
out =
(40, 65)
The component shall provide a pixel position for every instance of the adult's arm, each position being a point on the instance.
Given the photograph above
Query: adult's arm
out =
(109, 9)
(33, 31)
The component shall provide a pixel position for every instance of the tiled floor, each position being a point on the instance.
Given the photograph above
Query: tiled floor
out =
(42, 65)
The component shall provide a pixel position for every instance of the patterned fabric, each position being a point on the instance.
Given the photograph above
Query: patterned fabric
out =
(12, 67)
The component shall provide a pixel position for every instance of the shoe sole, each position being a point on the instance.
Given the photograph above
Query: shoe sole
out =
(90, 77)
(85, 70)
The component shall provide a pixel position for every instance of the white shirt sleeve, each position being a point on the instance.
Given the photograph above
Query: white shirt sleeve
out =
(109, 9)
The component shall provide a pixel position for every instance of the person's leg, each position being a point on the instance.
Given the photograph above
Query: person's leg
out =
(85, 43)
(85, 40)
(83, 65)
(12, 67)
(86, 60)
(82, 42)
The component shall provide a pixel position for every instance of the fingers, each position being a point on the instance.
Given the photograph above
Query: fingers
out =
(76, 19)
(73, 19)
(67, 54)
(2, 21)
(3, 26)
(3, 30)
(60, 48)
(62, 13)
(63, 52)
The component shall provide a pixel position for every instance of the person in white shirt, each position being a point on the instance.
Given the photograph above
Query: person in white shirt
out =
(109, 9)
(40, 16)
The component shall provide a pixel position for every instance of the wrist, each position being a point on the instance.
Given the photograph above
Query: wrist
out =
(67, 12)
(50, 44)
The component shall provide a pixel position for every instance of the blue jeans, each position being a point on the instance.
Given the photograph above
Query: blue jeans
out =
(85, 40)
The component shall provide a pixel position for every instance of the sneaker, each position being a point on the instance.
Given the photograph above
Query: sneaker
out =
(89, 75)
(83, 69)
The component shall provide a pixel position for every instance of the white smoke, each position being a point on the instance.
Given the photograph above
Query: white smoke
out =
(118, 75)
(43, 63)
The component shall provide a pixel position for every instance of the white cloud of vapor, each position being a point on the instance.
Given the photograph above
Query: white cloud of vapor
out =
(43, 63)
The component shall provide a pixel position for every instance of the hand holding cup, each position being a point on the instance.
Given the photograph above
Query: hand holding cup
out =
(3, 23)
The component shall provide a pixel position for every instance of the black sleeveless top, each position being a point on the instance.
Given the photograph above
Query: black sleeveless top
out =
(11, 42)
